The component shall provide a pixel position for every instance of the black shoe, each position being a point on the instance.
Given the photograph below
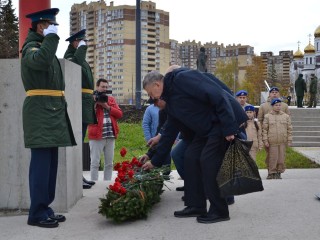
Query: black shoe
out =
(86, 186)
(58, 218)
(88, 182)
(180, 189)
(212, 218)
(49, 223)
(190, 212)
(182, 198)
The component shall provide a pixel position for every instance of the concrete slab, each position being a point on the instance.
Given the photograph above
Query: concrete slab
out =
(286, 209)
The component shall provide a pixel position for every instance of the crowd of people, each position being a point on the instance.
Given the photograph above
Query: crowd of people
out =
(192, 118)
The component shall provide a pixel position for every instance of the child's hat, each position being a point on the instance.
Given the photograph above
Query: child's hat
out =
(249, 108)
(276, 100)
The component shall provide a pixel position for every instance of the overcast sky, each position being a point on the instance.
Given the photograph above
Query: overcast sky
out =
(272, 25)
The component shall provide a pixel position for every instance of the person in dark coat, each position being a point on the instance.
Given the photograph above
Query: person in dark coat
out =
(202, 60)
(313, 89)
(46, 124)
(76, 52)
(301, 88)
(194, 101)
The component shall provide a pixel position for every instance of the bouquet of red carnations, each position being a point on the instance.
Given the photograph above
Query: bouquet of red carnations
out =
(134, 191)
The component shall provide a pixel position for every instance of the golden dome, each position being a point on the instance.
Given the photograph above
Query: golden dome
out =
(298, 54)
(317, 32)
(309, 49)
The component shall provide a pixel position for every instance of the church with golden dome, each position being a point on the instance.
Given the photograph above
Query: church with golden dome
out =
(307, 63)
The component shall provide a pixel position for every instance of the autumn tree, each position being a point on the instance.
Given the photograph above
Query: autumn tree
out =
(254, 80)
(227, 72)
(9, 31)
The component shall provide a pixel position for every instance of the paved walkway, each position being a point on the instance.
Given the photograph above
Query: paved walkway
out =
(286, 209)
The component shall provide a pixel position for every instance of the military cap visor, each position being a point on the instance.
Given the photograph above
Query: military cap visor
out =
(81, 35)
(48, 15)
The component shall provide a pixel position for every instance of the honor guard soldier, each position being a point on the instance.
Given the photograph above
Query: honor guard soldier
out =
(76, 52)
(46, 123)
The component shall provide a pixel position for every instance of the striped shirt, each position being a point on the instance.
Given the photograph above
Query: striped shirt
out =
(107, 131)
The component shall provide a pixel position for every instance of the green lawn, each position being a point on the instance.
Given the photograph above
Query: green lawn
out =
(131, 137)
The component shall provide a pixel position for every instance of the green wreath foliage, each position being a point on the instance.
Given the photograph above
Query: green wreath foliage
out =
(134, 192)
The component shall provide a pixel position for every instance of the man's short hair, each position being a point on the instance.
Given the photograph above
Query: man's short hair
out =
(151, 77)
(101, 80)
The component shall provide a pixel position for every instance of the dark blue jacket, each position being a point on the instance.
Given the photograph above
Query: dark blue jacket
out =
(196, 103)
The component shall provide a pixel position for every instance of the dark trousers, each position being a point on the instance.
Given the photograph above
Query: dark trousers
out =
(203, 160)
(42, 182)
(299, 101)
(313, 100)
(84, 131)
(177, 155)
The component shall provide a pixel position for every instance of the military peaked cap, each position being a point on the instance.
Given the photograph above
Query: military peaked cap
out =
(81, 35)
(44, 15)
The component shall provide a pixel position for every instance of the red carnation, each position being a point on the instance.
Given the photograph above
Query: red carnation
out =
(123, 152)
(130, 173)
(117, 166)
(122, 191)
(134, 161)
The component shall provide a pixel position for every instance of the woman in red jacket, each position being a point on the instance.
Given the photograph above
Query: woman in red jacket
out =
(103, 134)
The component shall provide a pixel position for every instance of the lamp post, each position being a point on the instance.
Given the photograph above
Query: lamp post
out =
(138, 55)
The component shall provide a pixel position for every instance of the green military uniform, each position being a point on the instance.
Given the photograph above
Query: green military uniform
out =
(313, 89)
(78, 56)
(45, 119)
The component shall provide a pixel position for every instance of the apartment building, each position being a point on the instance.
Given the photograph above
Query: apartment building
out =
(112, 42)
(188, 51)
(277, 68)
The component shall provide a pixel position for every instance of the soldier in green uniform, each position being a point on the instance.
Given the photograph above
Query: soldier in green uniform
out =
(46, 122)
(313, 89)
(301, 88)
(76, 53)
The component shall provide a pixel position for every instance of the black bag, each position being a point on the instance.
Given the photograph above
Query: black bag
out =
(239, 173)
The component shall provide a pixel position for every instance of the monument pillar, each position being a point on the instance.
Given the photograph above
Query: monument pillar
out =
(26, 7)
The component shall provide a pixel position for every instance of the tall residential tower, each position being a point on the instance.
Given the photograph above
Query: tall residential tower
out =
(112, 42)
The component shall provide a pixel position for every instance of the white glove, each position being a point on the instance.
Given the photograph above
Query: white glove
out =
(51, 29)
(82, 43)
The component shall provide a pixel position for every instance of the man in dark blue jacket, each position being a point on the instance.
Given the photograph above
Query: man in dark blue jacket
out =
(194, 101)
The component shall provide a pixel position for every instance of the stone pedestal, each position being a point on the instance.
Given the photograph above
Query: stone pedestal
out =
(15, 158)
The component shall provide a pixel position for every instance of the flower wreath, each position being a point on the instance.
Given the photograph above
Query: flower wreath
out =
(134, 191)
